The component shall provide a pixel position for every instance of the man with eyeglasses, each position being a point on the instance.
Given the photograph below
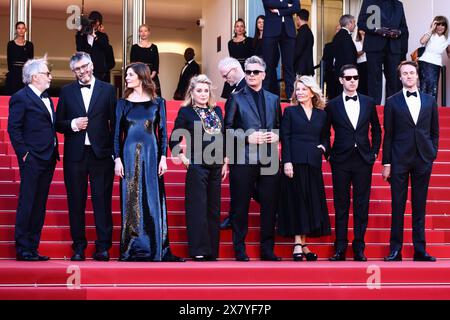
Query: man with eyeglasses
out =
(352, 156)
(86, 114)
(31, 128)
(252, 120)
(231, 71)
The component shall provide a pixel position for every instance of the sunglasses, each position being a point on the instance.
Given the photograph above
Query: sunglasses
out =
(348, 78)
(255, 72)
(443, 24)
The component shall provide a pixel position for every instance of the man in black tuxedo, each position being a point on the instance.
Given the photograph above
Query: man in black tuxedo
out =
(97, 45)
(85, 114)
(190, 69)
(31, 128)
(384, 43)
(279, 34)
(252, 120)
(304, 43)
(328, 65)
(344, 49)
(411, 136)
(352, 157)
(231, 71)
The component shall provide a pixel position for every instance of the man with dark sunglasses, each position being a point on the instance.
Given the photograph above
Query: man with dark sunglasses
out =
(352, 157)
(252, 120)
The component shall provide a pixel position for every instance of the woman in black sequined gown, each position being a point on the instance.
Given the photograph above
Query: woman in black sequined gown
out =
(140, 146)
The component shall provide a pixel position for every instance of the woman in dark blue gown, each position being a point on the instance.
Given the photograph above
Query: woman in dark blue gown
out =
(140, 146)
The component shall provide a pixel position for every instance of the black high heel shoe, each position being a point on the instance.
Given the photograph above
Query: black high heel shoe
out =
(310, 256)
(298, 256)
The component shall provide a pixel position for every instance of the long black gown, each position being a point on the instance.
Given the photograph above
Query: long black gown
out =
(140, 140)
(17, 56)
(149, 56)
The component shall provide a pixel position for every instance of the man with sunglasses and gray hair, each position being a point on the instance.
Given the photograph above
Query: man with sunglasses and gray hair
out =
(352, 157)
(252, 120)
(85, 115)
(31, 128)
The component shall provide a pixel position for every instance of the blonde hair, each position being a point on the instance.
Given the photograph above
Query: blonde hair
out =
(201, 78)
(318, 100)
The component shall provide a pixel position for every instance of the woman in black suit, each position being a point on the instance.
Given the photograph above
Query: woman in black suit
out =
(206, 166)
(303, 206)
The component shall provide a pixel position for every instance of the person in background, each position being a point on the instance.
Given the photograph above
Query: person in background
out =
(205, 170)
(18, 52)
(304, 43)
(140, 148)
(430, 63)
(361, 62)
(189, 70)
(303, 206)
(328, 65)
(257, 39)
(31, 128)
(147, 52)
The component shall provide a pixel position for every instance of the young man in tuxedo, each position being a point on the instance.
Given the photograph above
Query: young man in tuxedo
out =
(190, 69)
(304, 43)
(252, 120)
(352, 156)
(411, 136)
(85, 114)
(31, 128)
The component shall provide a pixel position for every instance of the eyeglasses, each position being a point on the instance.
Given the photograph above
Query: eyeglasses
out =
(226, 75)
(81, 68)
(255, 72)
(348, 78)
(48, 74)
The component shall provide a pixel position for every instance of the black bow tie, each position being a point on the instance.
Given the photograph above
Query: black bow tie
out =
(354, 98)
(409, 93)
(84, 86)
(44, 95)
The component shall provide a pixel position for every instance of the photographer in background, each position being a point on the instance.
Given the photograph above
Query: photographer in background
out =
(91, 40)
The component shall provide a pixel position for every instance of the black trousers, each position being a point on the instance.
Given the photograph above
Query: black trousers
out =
(377, 62)
(420, 172)
(35, 178)
(100, 173)
(357, 173)
(203, 187)
(286, 45)
(242, 182)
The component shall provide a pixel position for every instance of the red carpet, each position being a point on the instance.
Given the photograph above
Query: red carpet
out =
(226, 279)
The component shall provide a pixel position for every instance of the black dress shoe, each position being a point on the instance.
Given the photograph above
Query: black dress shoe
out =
(270, 257)
(242, 256)
(40, 258)
(226, 224)
(172, 258)
(26, 256)
(359, 256)
(78, 256)
(424, 257)
(394, 256)
(101, 256)
(338, 256)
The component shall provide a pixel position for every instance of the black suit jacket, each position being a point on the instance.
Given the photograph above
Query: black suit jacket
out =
(345, 135)
(300, 136)
(30, 126)
(273, 22)
(344, 50)
(242, 113)
(392, 16)
(192, 69)
(101, 51)
(101, 117)
(403, 138)
(303, 59)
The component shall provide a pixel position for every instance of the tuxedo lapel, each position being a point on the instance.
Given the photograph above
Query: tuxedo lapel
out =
(251, 102)
(343, 112)
(40, 104)
(79, 98)
(98, 87)
(423, 106)
(362, 111)
(404, 107)
(269, 109)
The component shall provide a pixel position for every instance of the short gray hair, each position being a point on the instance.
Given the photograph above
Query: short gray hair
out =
(255, 59)
(33, 67)
(78, 56)
(229, 63)
(346, 19)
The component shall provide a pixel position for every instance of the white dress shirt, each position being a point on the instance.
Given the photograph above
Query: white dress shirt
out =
(186, 65)
(413, 104)
(46, 101)
(353, 109)
(86, 93)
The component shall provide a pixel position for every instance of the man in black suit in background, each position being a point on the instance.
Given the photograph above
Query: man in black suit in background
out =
(304, 43)
(85, 114)
(344, 49)
(279, 34)
(97, 45)
(253, 117)
(411, 137)
(31, 128)
(190, 69)
(231, 71)
(384, 44)
(352, 157)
